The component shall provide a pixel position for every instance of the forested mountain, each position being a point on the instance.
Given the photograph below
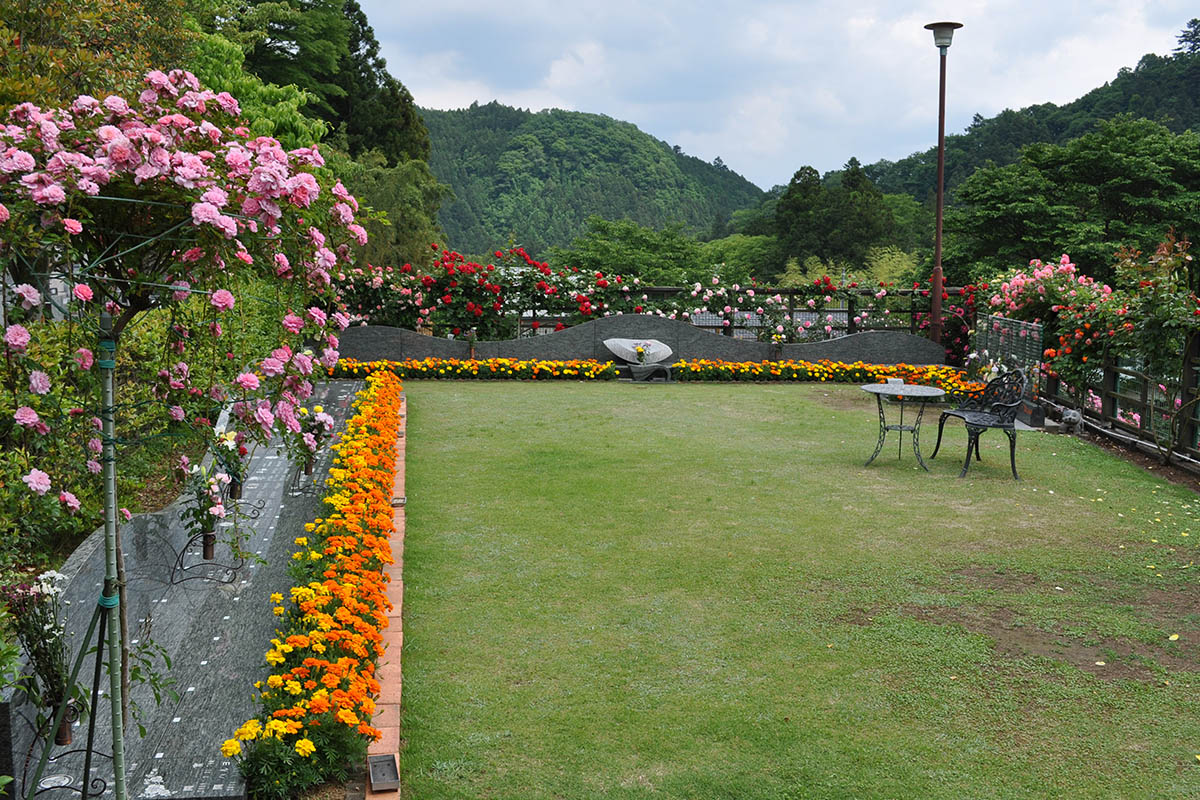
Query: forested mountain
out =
(537, 177)
(1162, 88)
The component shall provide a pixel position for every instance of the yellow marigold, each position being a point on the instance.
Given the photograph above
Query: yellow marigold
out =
(293, 687)
(274, 728)
(347, 717)
(275, 681)
(276, 598)
(249, 730)
(231, 748)
(274, 657)
(279, 611)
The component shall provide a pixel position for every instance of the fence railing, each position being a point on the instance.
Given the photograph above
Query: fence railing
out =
(1158, 411)
(905, 306)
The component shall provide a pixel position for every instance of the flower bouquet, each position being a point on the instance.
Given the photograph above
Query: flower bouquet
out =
(35, 614)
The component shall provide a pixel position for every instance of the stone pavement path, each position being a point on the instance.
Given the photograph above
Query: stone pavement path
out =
(213, 619)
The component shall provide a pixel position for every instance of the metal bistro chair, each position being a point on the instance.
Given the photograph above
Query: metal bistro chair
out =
(996, 408)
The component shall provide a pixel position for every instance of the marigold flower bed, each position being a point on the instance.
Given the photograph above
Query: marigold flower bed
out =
(951, 379)
(484, 369)
(318, 701)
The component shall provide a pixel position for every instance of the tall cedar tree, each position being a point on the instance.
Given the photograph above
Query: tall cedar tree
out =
(377, 110)
(305, 44)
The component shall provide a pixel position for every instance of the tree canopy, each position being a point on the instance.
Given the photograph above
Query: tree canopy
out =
(537, 178)
(1125, 185)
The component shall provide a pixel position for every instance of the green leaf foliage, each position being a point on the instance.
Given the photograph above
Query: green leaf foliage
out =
(666, 257)
(304, 44)
(269, 110)
(1123, 186)
(537, 178)
(406, 195)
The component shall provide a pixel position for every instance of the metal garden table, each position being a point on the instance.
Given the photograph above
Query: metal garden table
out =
(904, 393)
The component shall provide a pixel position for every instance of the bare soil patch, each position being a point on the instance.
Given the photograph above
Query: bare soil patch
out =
(1110, 658)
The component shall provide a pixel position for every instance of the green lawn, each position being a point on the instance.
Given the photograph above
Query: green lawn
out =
(698, 591)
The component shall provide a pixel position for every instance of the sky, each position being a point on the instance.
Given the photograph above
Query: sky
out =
(769, 87)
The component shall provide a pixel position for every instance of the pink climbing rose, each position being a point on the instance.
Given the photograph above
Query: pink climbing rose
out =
(37, 481)
(247, 380)
(222, 300)
(16, 337)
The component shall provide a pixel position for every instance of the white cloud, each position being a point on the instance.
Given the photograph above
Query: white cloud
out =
(769, 85)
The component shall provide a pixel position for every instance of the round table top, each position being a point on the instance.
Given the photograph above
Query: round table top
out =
(904, 390)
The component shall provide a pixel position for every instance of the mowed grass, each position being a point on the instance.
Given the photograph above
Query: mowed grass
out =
(698, 591)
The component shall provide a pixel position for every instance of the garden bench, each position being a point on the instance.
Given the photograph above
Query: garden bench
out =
(996, 407)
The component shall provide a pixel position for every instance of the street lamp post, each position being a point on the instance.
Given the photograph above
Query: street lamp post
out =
(943, 32)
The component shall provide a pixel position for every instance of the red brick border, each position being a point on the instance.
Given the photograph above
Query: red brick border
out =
(387, 708)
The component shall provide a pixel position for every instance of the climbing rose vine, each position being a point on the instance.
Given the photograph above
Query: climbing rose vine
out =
(166, 205)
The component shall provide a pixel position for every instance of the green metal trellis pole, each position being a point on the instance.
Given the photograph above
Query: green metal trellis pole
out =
(107, 363)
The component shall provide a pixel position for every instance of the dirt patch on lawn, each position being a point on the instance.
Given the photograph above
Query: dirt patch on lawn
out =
(1110, 658)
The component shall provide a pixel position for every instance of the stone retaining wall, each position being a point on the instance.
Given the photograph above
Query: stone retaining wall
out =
(377, 342)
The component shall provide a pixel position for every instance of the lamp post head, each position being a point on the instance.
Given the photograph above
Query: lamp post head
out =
(943, 32)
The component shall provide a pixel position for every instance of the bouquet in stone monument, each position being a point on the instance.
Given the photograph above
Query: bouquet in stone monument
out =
(36, 617)
(204, 505)
(315, 428)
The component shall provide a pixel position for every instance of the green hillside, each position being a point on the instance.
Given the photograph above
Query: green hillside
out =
(1162, 88)
(537, 177)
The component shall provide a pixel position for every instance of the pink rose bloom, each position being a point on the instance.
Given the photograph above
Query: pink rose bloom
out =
(222, 300)
(326, 258)
(73, 226)
(247, 380)
(94, 444)
(83, 293)
(176, 413)
(263, 416)
(341, 320)
(69, 500)
(282, 267)
(30, 296)
(329, 358)
(125, 513)
(216, 197)
(37, 481)
(39, 382)
(93, 467)
(182, 288)
(272, 367)
(317, 316)
(16, 337)
(310, 442)
(3, 213)
(303, 364)
(26, 417)
(84, 358)
(287, 415)
(293, 323)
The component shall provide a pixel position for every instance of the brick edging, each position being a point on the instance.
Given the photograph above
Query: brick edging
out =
(387, 707)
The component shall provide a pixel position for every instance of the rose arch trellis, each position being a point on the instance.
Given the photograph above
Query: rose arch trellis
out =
(111, 210)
